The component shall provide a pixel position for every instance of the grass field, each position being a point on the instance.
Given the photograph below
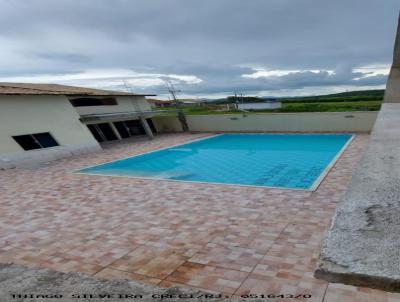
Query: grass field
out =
(330, 106)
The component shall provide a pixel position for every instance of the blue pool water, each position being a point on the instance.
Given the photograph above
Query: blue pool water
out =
(274, 160)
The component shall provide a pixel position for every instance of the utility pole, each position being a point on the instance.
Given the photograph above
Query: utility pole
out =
(236, 101)
(181, 115)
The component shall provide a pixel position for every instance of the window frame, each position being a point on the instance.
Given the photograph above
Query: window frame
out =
(105, 101)
(32, 135)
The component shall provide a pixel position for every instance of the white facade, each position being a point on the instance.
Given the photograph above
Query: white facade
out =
(54, 114)
(124, 104)
(260, 105)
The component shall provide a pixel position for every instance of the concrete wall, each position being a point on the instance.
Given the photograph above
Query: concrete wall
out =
(125, 104)
(167, 123)
(392, 92)
(34, 114)
(273, 122)
(362, 247)
(367, 220)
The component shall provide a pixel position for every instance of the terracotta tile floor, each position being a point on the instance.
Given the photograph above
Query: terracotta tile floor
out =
(229, 239)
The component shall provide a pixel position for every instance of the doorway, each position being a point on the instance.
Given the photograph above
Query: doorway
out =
(102, 132)
(132, 127)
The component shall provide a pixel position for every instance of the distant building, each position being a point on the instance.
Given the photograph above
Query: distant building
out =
(43, 122)
(154, 103)
(192, 102)
(275, 104)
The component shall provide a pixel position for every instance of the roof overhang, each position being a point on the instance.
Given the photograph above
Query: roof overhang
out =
(117, 116)
(79, 95)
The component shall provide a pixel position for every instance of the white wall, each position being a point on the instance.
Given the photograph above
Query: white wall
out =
(34, 114)
(125, 103)
(273, 122)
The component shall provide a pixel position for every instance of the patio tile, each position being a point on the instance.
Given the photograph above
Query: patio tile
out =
(340, 292)
(100, 252)
(168, 284)
(131, 233)
(185, 249)
(113, 274)
(257, 235)
(68, 265)
(295, 251)
(303, 233)
(289, 284)
(37, 259)
(208, 277)
(241, 259)
(206, 236)
(47, 242)
(157, 262)
(23, 257)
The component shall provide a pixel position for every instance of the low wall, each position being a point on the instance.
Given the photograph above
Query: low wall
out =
(273, 122)
(363, 244)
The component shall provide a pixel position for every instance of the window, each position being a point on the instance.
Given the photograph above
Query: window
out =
(84, 102)
(35, 141)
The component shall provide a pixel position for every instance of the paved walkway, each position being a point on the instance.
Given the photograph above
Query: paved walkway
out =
(217, 238)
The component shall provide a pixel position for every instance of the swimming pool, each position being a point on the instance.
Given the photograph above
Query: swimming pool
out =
(290, 161)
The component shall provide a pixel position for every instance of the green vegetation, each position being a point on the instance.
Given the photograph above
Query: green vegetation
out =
(326, 106)
(352, 96)
(298, 107)
(367, 100)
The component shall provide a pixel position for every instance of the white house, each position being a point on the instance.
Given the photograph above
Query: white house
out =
(42, 122)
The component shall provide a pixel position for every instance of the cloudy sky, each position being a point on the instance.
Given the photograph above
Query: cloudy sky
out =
(207, 48)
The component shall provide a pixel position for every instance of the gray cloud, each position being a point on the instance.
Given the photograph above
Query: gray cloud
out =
(215, 41)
